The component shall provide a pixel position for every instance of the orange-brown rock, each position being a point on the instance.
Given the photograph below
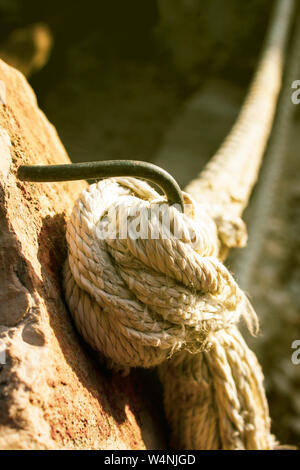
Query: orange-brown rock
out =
(53, 393)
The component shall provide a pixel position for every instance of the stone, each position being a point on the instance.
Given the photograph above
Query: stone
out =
(54, 394)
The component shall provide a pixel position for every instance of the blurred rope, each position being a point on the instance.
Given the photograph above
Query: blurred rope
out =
(228, 178)
(265, 195)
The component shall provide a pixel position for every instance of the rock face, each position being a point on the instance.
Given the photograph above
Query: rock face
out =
(53, 393)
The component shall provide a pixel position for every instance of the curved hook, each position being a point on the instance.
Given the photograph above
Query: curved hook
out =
(105, 169)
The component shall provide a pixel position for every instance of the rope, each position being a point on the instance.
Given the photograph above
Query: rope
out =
(139, 301)
(168, 301)
(263, 202)
(227, 180)
(215, 400)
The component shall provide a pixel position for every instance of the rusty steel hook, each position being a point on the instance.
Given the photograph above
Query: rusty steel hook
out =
(105, 169)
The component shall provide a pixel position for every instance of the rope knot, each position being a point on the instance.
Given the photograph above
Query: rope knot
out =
(142, 279)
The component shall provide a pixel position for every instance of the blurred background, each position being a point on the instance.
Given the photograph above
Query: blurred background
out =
(163, 81)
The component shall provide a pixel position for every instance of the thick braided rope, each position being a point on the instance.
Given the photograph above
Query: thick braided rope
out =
(264, 199)
(225, 186)
(147, 302)
(215, 399)
(227, 180)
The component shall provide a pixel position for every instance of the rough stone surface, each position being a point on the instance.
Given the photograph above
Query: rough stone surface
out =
(53, 393)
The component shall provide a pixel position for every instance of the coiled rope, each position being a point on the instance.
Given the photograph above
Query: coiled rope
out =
(170, 302)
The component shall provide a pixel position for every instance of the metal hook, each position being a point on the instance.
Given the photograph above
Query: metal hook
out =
(105, 169)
